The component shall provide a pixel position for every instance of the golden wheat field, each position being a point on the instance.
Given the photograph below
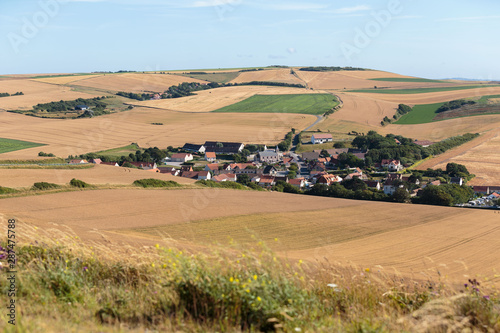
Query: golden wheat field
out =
(275, 75)
(481, 157)
(98, 175)
(65, 79)
(345, 80)
(134, 82)
(35, 93)
(434, 97)
(402, 238)
(213, 99)
(73, 137)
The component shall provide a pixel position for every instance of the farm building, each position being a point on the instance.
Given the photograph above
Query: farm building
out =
(321, 138)
(144, 165)
(96, 161)
(78, 162)
(81, 107)
(213, 167)
(181, 157)
(310, 156)
(194, 148)
(224, 147)
(227, 177)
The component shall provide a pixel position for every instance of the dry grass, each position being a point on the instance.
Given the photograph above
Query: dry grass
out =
(35, 93)
(74, 137)
(213, 99)
(99, 174)
(134, 82)
(274, 75)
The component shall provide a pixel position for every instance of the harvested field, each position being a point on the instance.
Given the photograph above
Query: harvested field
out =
(470, 110)
(133, 82)
(273, 75)
(480, 156)
(74, 137)
(457, 242)
(438, 131)
(65, 79)
(35, 93)
(358, 80)
(424, 90)
(213, 99)
(367, 111)
(435, 97)
(219, 77)
(98, 175)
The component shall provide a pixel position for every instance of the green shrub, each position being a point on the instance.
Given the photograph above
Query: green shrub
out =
(6, 190)
(44, 186)
(79, 183)
(232, 185)
(151, 182)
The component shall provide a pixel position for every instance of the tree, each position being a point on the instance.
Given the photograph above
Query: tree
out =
(401, 195)
(456, 170)
(354, 184)
(243, 179)
(339, 145)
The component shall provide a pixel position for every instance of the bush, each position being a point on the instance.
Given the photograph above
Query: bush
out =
(6, 190)
(42, 154)
(151, 182)
(44, 186)
(231, 185)
(79, 183)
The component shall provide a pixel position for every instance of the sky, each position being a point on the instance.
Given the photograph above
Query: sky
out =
(431, 39)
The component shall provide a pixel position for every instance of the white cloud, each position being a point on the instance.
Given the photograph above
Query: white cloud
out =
(215, 3)
(350, 10)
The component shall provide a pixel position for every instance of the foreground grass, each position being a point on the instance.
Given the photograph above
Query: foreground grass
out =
(295, 103)
(8, 145)
(422, 90)
(64, 285)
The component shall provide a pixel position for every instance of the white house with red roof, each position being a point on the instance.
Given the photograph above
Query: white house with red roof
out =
(392, 165)
(181, 157)
(321, 138)
(210, 156)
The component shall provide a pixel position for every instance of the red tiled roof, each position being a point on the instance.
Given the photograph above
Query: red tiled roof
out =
(210, 154)
(180, 155)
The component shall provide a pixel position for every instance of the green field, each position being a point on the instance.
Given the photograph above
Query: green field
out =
(422, 90)
(222, 77)
(294, 103)
(405, 79)
(486, 99)
(121, 151)
(8, 145)
(420, 114)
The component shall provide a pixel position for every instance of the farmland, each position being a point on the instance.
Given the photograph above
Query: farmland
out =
(74, 137)
(420, 114)
(98, 174)
(304, 103)
(8, 145)
(306, 228)
(406, 79)
(219, 77)
(213, 99)
(422, 90)
(272, 75)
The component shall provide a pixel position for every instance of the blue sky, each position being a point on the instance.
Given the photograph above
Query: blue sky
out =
(433, 39)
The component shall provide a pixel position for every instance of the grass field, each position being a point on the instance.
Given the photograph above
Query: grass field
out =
(219, 77)
(420, 114)
(8, 145)
(406, 79)
(422, 90)
(121, 151)
(301, 103)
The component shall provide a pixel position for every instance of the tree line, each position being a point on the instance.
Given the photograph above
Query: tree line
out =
(15, 94)
(401, 111)
(330, 69)
(452, 105)
(95, 103)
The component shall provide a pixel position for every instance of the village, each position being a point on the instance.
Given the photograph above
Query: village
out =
(221, 162)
